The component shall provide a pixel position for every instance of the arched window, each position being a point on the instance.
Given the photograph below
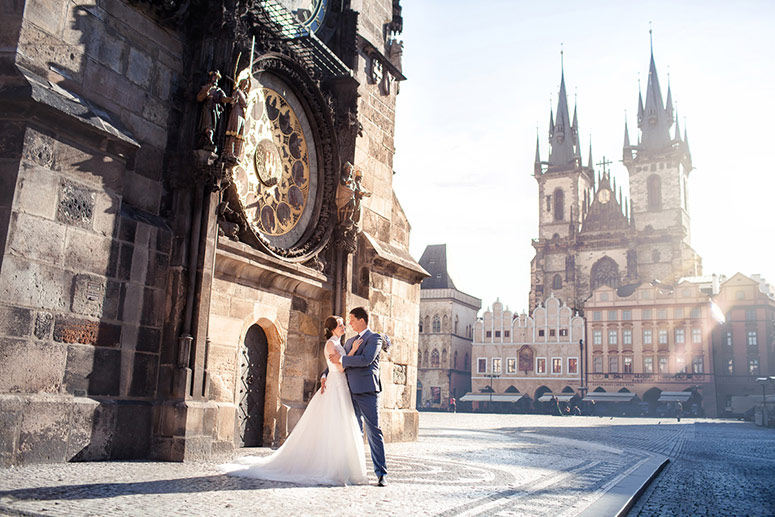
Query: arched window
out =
(456, 321)
(435, 358)
(436, 324)
(557, 282)
(445, 324)
(419, 359)
(654, 186)
(427, 325)
(604, 272)
(454, 360)
(425, 360)
(420, 325)
(444, 358)
(559, 204)
(467, 364)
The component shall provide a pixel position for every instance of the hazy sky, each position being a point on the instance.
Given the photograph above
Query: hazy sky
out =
(480, 78)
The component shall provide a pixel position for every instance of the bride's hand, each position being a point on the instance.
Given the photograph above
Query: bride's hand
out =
(357, 344)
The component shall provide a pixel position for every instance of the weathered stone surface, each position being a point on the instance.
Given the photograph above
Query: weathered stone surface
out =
(153, 307)
(36, 238)
(92, 428)
(37, 191)
(105, 214)
(87, 252)
(92, 371)
(30, 367)
(68, 329)
(89, 293)
(43, 323)
(44, 430)
(33, 284)
(76, 205)
(15, 321)
(144, 375)
(133, 431)
(141, 192)
(148, 339)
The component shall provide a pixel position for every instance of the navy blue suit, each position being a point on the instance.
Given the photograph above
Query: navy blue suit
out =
(362, 370)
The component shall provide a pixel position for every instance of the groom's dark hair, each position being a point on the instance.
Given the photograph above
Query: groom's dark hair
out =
(361, 314)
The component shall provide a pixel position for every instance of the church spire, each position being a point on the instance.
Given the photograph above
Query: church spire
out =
(537, 165)
(562, 155)
(627, 150)
(669, 103)
(656, 121)
(590, 163)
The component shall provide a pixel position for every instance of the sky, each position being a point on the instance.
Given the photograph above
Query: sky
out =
(480, 78)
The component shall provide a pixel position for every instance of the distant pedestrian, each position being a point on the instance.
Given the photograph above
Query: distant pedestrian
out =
(679, 411)
(453, 404)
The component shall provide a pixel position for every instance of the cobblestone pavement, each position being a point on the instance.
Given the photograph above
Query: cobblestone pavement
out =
(462, 464)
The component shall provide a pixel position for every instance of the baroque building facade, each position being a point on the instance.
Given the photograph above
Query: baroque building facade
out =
(519, 358)
(589, 233)
(447, 318)
(188, 190)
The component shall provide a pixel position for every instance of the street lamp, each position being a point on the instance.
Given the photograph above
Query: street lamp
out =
(491, 376)
(582, 389)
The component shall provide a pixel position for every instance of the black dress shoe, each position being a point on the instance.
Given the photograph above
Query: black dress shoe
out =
(381, 481)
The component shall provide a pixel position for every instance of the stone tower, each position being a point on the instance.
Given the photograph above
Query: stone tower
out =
(562, 185)
(659, 167)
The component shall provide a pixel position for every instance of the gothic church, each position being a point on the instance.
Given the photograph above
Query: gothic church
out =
(589, 234)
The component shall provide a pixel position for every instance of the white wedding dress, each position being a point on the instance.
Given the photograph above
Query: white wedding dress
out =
(325, 447)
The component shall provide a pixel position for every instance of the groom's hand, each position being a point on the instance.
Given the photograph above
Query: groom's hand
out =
(335, 357)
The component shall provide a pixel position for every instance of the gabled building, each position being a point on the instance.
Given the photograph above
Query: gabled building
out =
(447, 317)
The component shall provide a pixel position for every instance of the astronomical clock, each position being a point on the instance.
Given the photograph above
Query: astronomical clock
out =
(280, 176)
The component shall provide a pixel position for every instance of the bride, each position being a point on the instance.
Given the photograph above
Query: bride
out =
(326, 446)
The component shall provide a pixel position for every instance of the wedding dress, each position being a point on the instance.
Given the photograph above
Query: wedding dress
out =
(325, 447)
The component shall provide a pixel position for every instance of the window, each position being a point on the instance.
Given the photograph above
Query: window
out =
(613, 364)
(454, 360)
(679, 336)
(696, 335)
(752, 339)
(647, 337)
(444, 362)
(559, 204)
(662, 336)
(627, 336)
(648, 364)
(731, 366)
(695, 313)
(627, 364)
(750, 315)
(753, 367)
(511, 365)
(437, 325)
(573, 365)
(435, 358)
(496, 365)
(662, 364)
(597, 364)
(420, 325)
(678, 312)
(541, 365)
(654, 186)
(611, 315)
(456, 322)
(597, 315)
(497, 333)
(661, 314)
(563, 332)
(556, 365)
(697, 364)
(541, 333)
(481, 366)
(506, 333)
(646, 314)
(597, 337)
(613, 337)
(489, 333)
(557, 282)
(680, 364)
(426, 361)
(626, 315)
(551, 332)
(729, 339)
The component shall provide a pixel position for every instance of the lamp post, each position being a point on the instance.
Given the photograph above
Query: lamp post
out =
(491, 376)
(764, 381)
(582, 389)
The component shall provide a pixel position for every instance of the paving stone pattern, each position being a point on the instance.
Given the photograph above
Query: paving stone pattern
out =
(462, 465)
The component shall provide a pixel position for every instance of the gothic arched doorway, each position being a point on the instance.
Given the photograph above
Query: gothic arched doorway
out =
(252, 387)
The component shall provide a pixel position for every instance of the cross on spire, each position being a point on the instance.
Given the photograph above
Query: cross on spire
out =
(605, 163)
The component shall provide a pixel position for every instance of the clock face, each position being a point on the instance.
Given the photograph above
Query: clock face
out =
(307, 13)
(604, 196)
(276, 176)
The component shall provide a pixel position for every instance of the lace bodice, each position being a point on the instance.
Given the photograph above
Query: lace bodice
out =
(339, 348)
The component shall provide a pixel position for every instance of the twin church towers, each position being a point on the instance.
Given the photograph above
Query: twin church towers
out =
(589, 234)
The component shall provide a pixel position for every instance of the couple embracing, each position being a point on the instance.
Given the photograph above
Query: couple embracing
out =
(326, 446)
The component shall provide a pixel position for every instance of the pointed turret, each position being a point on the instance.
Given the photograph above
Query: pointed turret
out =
(537, 165)
(590, 163)
(640, 107)
(669, 103)
(627, 149)
(561, 135)
(656, 124)
(677, 137)
(551, 121)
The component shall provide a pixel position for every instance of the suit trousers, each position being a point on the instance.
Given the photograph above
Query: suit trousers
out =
(365, 405)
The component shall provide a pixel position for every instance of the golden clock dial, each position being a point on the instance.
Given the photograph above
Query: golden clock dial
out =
(275, 177)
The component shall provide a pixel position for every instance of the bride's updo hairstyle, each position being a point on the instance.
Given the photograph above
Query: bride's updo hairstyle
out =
(331, 323)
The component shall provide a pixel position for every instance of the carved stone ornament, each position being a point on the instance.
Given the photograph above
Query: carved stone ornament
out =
(285, 174)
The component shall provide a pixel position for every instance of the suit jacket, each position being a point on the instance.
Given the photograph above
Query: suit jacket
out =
(362, 368)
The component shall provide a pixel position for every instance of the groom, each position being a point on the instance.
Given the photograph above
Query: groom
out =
(362, 370)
